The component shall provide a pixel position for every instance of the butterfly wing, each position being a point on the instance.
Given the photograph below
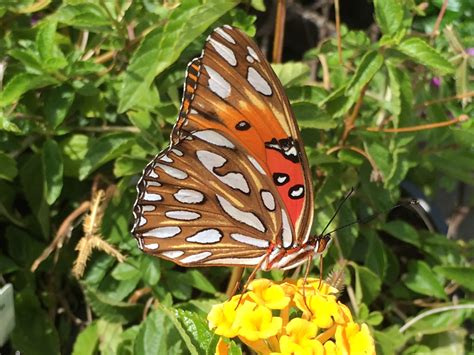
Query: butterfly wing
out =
(206, 201)
(231, 87)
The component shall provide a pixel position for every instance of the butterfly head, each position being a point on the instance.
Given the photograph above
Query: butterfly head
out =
(320, 243)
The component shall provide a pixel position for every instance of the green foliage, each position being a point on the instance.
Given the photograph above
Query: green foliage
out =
(89, 93)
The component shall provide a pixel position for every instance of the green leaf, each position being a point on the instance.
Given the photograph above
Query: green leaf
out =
(7, 265)
(461, 275)
(368, 284)
(181, 330)
(291, 73)
(153, 334)
(199, 281)
(102, 150)
(33, 326)
(87, 340)
(311, 116)
(162, 47)
(8, 169)
(110, 310)
(368, 67)
(20, 84)
(126, 166)
(389, 15)
(57, 102)
(151, 270)
(422, 53)
(403, 231)
(376, 259)
(45, 42)
(421, 278)
(125, 271)
(52, 161)
(389, 340)
(87, 15)
(196, 327)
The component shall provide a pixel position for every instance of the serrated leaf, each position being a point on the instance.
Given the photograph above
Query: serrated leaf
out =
(389, 15)
(368, 67)
(111, 310)
(89, 16)
(421, 278)
(87, 340)
(163, 46)
(8, 169)
(196, 327)
(152, 336)
(181, 330)
(461, 275)
(103, 150)
(53, 168)
(422, 53)
(20, 84)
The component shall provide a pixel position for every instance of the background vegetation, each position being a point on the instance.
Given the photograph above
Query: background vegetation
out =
(89, 92)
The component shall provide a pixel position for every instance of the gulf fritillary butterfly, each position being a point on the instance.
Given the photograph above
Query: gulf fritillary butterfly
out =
(234, 186)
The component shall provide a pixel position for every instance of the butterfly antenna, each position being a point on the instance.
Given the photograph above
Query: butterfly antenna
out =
(375, 215)
(337, 210)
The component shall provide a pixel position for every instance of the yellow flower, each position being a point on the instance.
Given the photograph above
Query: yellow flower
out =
(300, 338)
(355, 339)
(222, 316)
(257, 322)
(291, 318)
(265, 292)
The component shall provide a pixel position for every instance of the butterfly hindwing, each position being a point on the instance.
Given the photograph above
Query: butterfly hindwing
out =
(206, 201)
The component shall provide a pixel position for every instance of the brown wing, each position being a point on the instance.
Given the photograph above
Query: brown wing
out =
(233, 89)
(206, 201)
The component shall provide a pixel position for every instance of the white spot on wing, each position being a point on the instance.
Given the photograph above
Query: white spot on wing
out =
(177, 151)
(152, 246)
(250, 59)
(253, 54)
(148, 208)
(151, 173)
(188, 196)
(142, 221)
(225, 35)
(236, 181)
(297, 192)
(258, 82)
(268, 200)
(196, 257)
(213, 137)
(183, 215)
(152, 197)
(206, 236)
(210, 160)
(173, 254)
(173, 172)
(162, 232)
(247, 218)
(287, 236)
(224, 51)
(152, 183)
(259, 243)
(256, 165)
(166, 159)
(217, 83)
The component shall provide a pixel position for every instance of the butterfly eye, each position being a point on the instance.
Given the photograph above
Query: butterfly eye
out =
(242, 126)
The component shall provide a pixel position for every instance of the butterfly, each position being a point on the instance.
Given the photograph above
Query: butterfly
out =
(234, 186)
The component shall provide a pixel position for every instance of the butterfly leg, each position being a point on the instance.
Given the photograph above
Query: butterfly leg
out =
(252, 276)
(308, 265)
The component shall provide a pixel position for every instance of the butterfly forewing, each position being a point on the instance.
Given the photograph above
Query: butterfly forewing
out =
(234, 183)
(232, 87)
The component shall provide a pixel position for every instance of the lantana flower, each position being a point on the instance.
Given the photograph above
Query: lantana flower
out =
(290, 318)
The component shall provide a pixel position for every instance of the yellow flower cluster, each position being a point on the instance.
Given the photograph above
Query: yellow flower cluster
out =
(282, 319)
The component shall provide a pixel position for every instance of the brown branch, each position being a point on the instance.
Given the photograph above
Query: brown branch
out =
(338, 31)
(139, 294)
(279, 31)
(423, 127)
(234, 280)
(63, 231)
(446, 99)
(349, 121)
(435, 31)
